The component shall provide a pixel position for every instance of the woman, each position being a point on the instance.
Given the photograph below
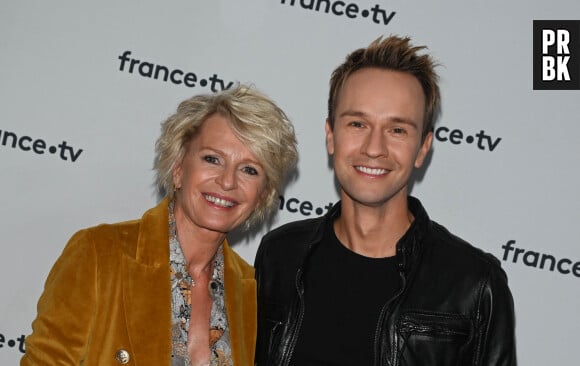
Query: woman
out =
(167, 289)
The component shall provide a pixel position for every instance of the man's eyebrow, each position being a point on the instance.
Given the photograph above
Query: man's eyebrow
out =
(356, 113)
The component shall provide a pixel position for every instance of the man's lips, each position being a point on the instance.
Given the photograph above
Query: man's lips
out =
(371, 171)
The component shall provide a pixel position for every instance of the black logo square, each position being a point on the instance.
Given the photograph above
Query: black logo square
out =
(556, 54)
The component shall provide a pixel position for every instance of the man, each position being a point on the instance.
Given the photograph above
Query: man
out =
(375, 281)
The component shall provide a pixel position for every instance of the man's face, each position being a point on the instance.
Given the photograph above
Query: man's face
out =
(376, 140)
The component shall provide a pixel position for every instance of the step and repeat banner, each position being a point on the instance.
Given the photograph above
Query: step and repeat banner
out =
(84, 87)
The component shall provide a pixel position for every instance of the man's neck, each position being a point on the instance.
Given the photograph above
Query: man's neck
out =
(373, 231)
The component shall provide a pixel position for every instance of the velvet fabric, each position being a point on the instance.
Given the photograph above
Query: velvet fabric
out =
(110, 291)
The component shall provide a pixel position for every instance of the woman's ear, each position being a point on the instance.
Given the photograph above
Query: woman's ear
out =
(177, 173)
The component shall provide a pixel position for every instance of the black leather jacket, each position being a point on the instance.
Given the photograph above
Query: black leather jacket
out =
(453, 307)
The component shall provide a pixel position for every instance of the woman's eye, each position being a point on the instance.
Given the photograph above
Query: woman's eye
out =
(211, 159)
(250, 170)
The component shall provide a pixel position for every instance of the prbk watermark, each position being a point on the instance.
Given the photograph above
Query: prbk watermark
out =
(556, 54)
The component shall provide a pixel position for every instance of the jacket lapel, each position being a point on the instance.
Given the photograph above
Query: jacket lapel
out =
(147, 292)
(241, 308)
(147, 296)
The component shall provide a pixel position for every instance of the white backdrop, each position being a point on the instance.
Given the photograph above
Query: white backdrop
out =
(85, 127)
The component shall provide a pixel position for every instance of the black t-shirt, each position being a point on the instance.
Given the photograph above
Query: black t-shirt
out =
(344, 293)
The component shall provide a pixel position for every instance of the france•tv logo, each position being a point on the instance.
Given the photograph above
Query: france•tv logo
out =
(556, 54)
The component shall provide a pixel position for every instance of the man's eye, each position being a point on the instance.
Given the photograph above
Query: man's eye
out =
(250, 170)
(211, 159)
(356, 124)
(399, 130)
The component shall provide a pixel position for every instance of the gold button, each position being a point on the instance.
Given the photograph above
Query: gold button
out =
(122, 356)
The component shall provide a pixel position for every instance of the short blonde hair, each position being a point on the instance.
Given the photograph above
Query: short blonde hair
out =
(254, 118)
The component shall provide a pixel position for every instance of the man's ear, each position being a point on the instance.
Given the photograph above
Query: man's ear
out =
(329, 138)
(424, 150)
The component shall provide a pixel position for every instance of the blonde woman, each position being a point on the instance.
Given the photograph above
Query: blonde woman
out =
(167, 289)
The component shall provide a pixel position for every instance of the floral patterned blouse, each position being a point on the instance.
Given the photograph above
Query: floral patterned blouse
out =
(219, 336)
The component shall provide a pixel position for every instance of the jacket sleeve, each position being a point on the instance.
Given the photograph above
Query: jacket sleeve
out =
(65, 310)
(262, 337)
(496, 344)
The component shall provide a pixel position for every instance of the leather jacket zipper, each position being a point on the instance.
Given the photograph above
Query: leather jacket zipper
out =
(411, 326)
(382, 317)
(296, 331)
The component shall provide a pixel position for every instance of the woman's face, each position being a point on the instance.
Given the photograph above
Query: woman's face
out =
(219, 181)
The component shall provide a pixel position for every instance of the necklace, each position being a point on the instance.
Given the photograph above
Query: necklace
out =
(177, 259)
(208, 269)
(176, 254)
(181, 291)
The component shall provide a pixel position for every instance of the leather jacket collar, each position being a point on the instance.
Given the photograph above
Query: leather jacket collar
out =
(409, 245)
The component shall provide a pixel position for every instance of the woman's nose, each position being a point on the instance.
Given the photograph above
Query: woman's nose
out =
(227, 179)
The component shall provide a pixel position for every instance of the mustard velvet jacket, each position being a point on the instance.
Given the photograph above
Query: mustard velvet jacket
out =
(110, 291)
